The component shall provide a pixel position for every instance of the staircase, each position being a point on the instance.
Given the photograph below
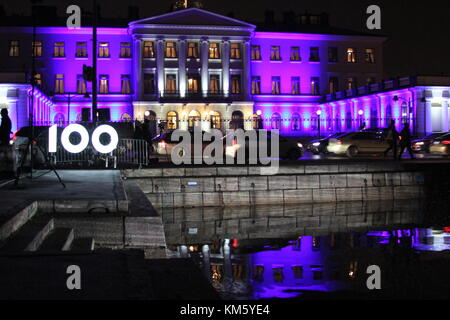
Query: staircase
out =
(29, 232)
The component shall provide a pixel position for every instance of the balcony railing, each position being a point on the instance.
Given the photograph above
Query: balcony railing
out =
(198, 96)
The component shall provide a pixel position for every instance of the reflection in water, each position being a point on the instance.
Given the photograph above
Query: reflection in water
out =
(287, 252)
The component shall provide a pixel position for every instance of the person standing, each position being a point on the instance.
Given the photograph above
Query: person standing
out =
(405, 142)
(5, 128)
(392, 139)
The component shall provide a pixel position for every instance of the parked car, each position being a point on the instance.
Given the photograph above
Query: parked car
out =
(320, 145)
(378, 131)
(288, 149)
(355, 143)
(441, 145)
(423, 145)
(164, 144)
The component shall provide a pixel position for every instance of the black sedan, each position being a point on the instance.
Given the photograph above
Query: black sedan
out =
(319, 146)
(423, 145)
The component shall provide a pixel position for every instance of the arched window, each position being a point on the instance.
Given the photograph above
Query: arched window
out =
(388, 113)
(374, 117)
(216, 120)
(237, 120)
(194, 119)
(126, 117)
(296, 122)
(276, 121)
(405, 112)
(59, 119)
(172, 120)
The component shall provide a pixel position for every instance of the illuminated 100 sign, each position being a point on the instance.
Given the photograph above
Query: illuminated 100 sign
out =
(80, 147)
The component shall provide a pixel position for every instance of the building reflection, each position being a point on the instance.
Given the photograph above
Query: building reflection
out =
(258, 269)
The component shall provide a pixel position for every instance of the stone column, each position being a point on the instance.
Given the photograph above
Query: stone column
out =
(160, 66)
(246, 79)
(428, 117)
(137, 70)
(226, 67)
(182, 67)
(444, 116)
(204, 56)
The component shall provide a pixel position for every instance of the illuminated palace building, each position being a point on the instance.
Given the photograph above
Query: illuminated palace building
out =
(191, 68)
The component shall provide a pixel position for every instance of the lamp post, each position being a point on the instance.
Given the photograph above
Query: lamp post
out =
(319, 113)
(259, 119)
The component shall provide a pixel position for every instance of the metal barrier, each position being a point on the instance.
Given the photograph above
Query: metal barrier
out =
(128, 152)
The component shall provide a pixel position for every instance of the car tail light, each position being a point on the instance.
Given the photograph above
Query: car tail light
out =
(234, 142)
(446, 142)
(14, 137)
(446, 229)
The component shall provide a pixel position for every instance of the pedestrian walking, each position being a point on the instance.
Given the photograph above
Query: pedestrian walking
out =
(5, 128)
(405, 142)
(392, 139)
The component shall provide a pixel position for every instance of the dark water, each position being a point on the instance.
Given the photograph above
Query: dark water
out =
(318, 252)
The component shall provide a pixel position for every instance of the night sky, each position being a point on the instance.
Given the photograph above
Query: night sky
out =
(418, 30)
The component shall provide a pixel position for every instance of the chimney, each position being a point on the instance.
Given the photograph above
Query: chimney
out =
(269, 17)
(133, 13)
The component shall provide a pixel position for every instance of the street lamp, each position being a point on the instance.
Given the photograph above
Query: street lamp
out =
(319, 113)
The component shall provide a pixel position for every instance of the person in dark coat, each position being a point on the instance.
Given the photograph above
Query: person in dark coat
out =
(391, 139)
(405, 142)
(5, 128)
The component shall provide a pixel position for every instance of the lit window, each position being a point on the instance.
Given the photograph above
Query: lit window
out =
(194, 120)
(193, 83)
(333, 85)
(351, 55)
(59, 83)
(81, 51)
(295, 83)
(125, 50)
(214, 84)
(235, 84)
(125, 84)
(276, 85)
(256, 53)
(171, 50)
(296, 126)
(276, 121)
(171, 83)
(14, 49)
(81, 84)
(37, 48)
(104, 84)
(103, 50)
(315, 90)
(370, 55)
(149, 83)
(58, 50)
(275, 53)
(235, 51)
(332, 54)
(149, 49)
(38, 79)
(216, 121)
(172, 120)
(256, 85)
(314, 54)
(192, 50)
(295, 54)
(214, 51)
(351, 83)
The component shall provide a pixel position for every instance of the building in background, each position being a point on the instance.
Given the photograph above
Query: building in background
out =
(193, 68)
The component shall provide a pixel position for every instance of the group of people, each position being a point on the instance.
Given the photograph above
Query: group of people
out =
(393, 137)
(5, 128)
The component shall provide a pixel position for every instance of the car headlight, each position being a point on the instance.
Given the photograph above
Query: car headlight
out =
(299, 145)
(316, 144)
(419, 143)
